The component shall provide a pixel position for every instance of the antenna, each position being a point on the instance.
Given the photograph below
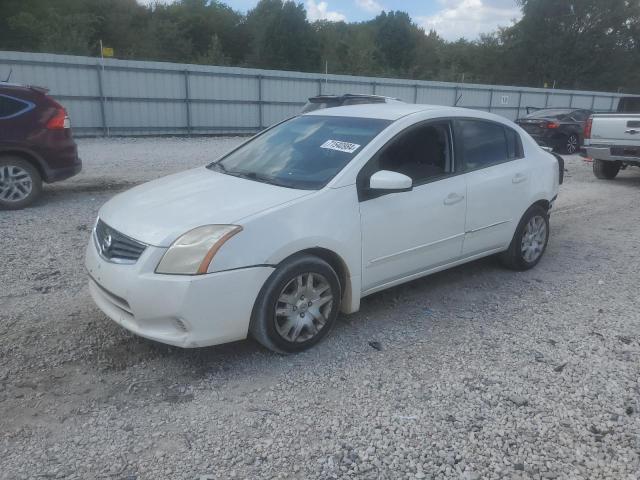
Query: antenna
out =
(8, 76)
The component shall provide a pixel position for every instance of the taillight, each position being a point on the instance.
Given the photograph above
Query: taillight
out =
(587, 127)
(60, 119)
(552, 125)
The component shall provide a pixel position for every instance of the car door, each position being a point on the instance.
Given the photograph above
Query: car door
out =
(498, 179)
(406, 233)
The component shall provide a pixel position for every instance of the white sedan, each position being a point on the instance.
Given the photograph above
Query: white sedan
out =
(303, 220)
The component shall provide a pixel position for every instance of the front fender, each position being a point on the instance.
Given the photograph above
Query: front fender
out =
(329, 219)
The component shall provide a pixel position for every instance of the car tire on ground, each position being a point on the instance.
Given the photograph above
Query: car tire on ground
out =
(20, 183)
(571, 144)
(605, 170)
(297, 306)
(530, 240)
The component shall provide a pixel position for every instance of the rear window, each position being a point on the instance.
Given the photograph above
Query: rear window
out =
(11, 106)
(555, 113)
(629, 105)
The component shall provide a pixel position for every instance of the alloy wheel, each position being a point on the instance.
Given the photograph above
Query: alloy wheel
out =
(572, 144)
(16, 183)
(303, 307)
(534, 239)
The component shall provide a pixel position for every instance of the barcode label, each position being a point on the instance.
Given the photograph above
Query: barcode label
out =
(340, 146)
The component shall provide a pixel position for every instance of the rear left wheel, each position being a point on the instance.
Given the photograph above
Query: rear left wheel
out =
(529, 241)
(297, 306)
(20, 183)
(605, 170)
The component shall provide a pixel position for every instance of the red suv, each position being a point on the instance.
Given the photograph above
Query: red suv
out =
(35, 144)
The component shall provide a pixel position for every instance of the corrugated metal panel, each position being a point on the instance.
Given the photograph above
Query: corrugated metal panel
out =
(229, 88)
(559, 100)
(126, 97)
(288, 90)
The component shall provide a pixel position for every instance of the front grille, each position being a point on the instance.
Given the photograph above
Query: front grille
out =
(115, 246)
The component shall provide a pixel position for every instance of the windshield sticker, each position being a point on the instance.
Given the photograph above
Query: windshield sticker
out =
(340, 146)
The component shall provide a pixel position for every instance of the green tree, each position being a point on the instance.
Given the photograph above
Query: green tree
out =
(585, 44)
(396, 41)
(281, 37)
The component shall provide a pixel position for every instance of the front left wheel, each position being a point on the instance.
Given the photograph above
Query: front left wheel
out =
(297, 306)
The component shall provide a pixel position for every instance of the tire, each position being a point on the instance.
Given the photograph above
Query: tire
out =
(605, 170)
(298, 325)
(570, 144)
(516, 257)
(20, 183)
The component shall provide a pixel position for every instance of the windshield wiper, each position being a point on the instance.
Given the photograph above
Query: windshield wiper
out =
(260, 178)
(218, 166)
(249, 175)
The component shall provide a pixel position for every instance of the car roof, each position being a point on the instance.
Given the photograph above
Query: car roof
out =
(346, 96)
(17, 87)
(12, 85)
(395, 111)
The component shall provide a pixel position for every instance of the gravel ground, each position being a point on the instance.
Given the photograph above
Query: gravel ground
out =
(479, 372)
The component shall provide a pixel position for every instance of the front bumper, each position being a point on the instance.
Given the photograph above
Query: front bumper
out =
(185, 311)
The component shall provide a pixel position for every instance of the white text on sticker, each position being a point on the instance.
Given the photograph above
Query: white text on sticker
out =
(340, 146)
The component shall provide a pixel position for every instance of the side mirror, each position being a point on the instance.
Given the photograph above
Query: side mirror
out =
(389, 182)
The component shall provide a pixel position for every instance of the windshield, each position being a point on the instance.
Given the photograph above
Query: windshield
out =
(556, 113)
(304, 152)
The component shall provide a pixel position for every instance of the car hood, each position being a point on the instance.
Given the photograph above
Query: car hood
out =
(159, 211)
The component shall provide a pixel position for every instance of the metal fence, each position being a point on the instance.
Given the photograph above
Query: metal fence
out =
(122, 97)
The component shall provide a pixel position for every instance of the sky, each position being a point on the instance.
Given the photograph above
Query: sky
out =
(452, 19)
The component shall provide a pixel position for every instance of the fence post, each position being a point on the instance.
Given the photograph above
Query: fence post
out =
(571, 100)
(187, 100)
(373, 86)
(319, 86)
(260, 118)
(611, 107)
(103, 111)
(593, 102)
(519, 104)
(490, 99)
(455, 96)
(415, 93)
(546, 100)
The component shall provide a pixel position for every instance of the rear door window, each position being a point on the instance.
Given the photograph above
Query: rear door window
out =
(11, 106)
(484, 144)
(514, 144)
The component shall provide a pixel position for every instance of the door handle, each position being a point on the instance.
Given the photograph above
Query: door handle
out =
(632, 131)
(518, 178)
(453, 198)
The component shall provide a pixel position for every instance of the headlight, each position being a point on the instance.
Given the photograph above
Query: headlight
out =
(192, 252)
